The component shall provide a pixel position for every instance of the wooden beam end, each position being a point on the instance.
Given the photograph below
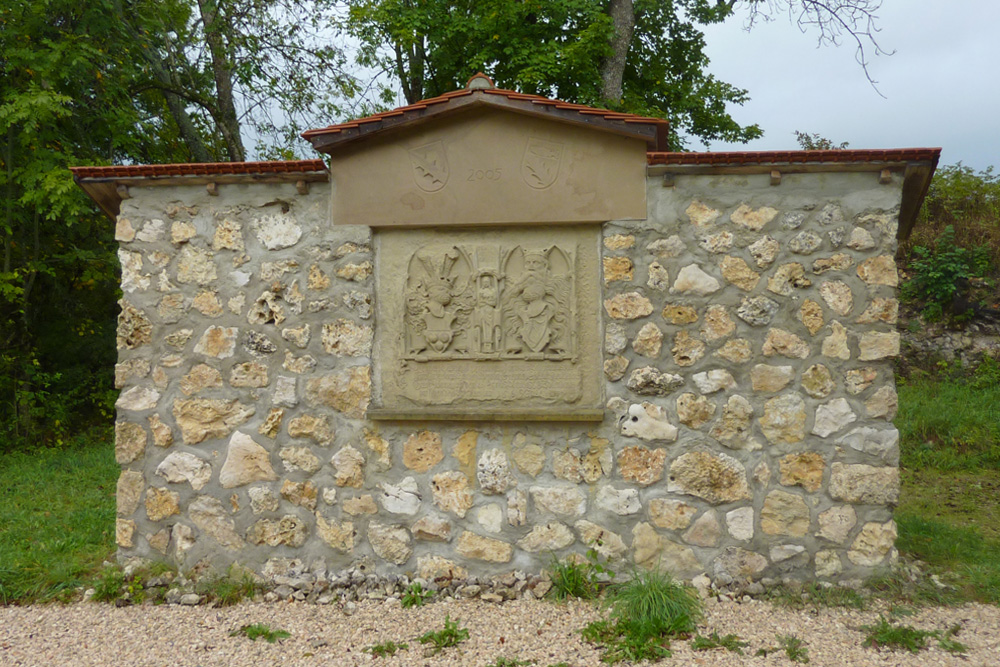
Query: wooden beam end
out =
(775, 177)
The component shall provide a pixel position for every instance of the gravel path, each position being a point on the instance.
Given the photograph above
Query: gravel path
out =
(99, 634)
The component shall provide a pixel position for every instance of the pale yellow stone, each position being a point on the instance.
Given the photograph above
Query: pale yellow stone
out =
(880, 310)
(882, 404)
(159, 540)
(488, 549)
(671, 514)
(787, 278)
(784, 514)
(628, 306)
(299, 458)
(737, 351)
(785, 344)
(648, 341)
(161, 503)
(196, 266)
(687, 350)
(246, 462)
(878, 345)
(124, 231)
(705, 531)
(811, 316)
(432, 529)
(130, 442)
(355, 272)
(422, 451)
(678, 314)
(305, 494)
(873, 543)
(129, 369)
(718, 243)
(879, 270)
(640, 465)
(751, 218)
(617, 269)
(465, 449)
(835, 345)
(125, 533)
(615, 368)
(764, 251)
(619, 242)
(207, 303)
(694, 411)
(229, 236)
(659, 277)
(313, 427)
(784, 419)
(435, 568)
(547, 537)
(718, 324)
(838, 296)
(606, 543)
(739, 273)
(452, 492)
(804, 469)
(289, 530)
(864, 484)
(837, 262)
(339, 535)
(298, 365)
(716, 478)
(134, 328)
(836, 523)
(203, 418)
(249, 374)
(128, 491)
(218, 342)
(856, 381)
(349, 465)
(362, 505)
(767, 378)
(702, 216)
(211, 518)
(345, 338)
(272, 423)
(347, 391)
(817, 381)
(653, 551)
(317, 280)
(530, 459)
(171, 308)
(182, 232)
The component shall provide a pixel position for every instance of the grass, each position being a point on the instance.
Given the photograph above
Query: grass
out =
(794, 648)
(450, 635)
(228, 589)
(950, 424)
(257, 631)
(574, 578)
(385, 649)
(731, 643)
(501, 661)
(813, 596)
(885, 634)
(415, 596)
(645, 612)
(58, 518)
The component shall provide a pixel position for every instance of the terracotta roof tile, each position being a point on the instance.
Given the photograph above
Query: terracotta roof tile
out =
(511, 95)
(198, 169)
(794, 157)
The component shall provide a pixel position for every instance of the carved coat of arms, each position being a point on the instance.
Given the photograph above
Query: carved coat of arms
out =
(430, 166)
(489, 303)
(540, 165)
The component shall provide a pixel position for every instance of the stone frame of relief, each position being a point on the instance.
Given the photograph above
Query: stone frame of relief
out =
(498, 323)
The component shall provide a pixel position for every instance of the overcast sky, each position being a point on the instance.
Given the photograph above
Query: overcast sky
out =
(941, 87)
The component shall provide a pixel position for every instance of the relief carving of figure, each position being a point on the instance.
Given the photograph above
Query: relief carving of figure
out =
(536, 302)
(438, 303)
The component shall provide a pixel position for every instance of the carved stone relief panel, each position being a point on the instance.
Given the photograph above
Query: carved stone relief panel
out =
(493, 318)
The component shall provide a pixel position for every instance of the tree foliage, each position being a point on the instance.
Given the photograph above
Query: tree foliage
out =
(558, 48)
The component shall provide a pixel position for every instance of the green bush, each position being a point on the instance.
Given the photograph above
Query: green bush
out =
(938, 273)
(576, 579)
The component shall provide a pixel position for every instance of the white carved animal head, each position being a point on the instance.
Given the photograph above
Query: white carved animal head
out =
(648, 422)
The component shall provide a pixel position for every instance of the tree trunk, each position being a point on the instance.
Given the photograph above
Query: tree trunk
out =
(613, 68)
(226, 118)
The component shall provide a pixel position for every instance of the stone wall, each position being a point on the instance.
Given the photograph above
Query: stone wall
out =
(747, 333)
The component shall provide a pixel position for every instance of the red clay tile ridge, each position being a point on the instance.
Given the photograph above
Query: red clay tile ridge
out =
(481, 91)
(198, 169)
(744, 158)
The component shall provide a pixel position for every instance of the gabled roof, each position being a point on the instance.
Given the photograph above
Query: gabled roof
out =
(480, 91)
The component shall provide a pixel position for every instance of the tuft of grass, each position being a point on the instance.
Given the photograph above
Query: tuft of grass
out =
(415, 596)
(731, 643)
(108, 584)
(501, 661)
(450, 635)
(228, 589)
(644, 613)
(793, 647)
(813, 596)
(256, 631)
(579, 579)
(389, 648)
(58, 518)
(947, 643)
(886, 635)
